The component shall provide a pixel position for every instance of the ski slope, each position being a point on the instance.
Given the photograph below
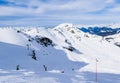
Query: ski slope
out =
(71, 58)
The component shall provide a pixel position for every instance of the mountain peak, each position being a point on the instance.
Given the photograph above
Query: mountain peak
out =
(65, 26)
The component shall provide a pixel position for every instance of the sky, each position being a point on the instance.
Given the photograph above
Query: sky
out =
(54, 12)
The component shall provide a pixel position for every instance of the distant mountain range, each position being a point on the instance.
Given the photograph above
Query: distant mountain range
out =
(101, 31)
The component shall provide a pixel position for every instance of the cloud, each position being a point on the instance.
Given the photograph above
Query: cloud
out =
(115, 9)
(78, 5)
(36, 6)
(61, 11)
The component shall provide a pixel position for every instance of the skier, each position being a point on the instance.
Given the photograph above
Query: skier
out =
(33, 55)
(45, 67)
(17, 67)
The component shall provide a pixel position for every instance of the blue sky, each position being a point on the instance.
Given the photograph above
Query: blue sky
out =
(54, 12)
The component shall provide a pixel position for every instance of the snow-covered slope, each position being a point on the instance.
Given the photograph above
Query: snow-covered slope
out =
(12, 37)
(63, 54)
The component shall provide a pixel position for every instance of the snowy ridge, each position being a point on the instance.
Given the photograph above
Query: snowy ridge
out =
(11, 36)
(51, 55)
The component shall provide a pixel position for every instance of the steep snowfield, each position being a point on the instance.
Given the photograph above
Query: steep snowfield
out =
(92, 48)
(71, 58)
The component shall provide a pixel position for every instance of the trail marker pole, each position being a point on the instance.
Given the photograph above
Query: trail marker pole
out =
(96, 71)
